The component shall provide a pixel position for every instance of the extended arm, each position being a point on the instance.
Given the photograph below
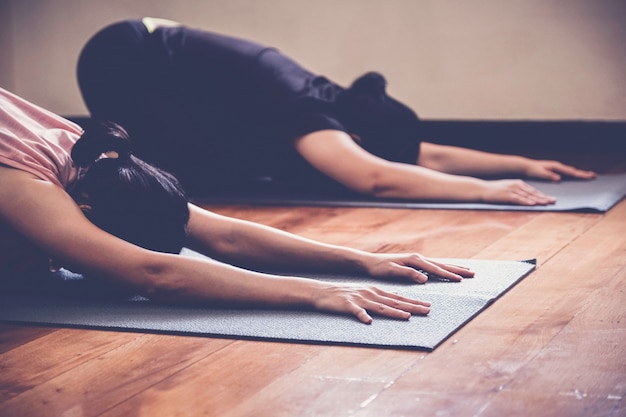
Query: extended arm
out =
(254, 245)
(338, 156)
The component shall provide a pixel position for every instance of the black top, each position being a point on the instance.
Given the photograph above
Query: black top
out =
(219, 111)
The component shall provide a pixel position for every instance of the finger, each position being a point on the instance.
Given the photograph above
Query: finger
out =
(362, 315)
(452, 272)
(381, 308)
(575, 172)
(528, 195)
(394, 299)
(552, 176)
(361, 312)
(361, 302)
(540, 198)
(527, 200)
(550, 173)
(395, 305)
(536, 199)
(419, 271)
(407, 271)
(557, 167)
(443, 269)
(587, 175)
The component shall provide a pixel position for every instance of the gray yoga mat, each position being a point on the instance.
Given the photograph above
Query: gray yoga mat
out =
(453, 305)
(597, 195)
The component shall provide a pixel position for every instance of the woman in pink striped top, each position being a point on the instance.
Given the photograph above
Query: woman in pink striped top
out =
(84, 200)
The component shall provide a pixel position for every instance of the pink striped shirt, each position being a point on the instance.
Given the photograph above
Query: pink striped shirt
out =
(36, 140)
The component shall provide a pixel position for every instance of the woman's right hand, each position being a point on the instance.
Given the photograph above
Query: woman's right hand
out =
(362, 302)
(514, 192)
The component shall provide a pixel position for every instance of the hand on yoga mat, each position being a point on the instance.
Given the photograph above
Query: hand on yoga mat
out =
(514, 192)
(413, 267)
(364, 301)
(555, 170)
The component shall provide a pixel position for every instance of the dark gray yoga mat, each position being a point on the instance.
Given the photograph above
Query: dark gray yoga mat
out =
(597, 195)
(453, 305)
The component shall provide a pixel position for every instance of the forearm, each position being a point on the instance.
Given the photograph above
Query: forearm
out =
(181, 279)
(254, 245)
(462, 161)
(415, 182)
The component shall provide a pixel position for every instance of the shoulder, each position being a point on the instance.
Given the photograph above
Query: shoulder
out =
(21, 188)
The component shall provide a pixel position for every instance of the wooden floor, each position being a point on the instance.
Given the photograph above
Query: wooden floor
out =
(555, 345)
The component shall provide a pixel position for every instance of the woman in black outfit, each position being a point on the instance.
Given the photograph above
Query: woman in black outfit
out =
(221, 112)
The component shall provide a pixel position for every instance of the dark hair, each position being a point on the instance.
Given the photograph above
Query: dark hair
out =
(129, 198)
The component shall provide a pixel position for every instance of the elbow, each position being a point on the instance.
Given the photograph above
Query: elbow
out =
(372, 184)
(157, 280)
(382, 190)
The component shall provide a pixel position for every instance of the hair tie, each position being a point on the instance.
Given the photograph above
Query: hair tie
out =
(111, 155)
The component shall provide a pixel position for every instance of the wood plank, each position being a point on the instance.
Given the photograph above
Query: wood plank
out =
(267, 374)
(106, 368)
(13, 335)
(219, 382)
(582, 370)
(541, 238)
(434, 233)
(49, 356)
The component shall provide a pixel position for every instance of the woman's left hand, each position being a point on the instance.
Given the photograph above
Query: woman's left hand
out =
(554, 170)
(413, 267)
